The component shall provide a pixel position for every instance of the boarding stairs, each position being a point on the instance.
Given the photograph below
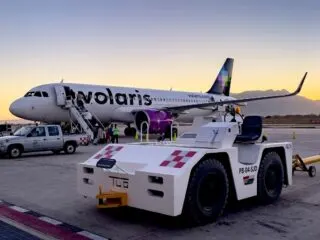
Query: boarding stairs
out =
(87, 120)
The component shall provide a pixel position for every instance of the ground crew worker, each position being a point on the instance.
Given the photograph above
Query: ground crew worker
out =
(116, 133)
(110, 131)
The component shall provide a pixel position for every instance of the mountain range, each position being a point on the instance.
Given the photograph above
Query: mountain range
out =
(296, 105)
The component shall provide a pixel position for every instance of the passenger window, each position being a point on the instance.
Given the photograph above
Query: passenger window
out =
(37, 94)
(45, 94)
(38, 132)
(53, 131)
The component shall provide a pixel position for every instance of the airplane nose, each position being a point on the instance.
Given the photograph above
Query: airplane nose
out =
(17, 108)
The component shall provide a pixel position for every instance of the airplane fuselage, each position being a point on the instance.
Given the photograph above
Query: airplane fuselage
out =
(107, 103)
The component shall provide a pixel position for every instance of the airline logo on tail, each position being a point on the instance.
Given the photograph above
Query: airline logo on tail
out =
(222, 83)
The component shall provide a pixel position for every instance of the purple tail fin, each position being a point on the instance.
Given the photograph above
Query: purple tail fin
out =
(222, 83)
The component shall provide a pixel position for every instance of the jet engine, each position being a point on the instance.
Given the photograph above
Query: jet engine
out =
(158, 121)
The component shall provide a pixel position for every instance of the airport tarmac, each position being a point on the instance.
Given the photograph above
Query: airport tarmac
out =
(46, 183)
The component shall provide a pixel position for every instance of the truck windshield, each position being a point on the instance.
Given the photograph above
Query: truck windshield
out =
(23, 131)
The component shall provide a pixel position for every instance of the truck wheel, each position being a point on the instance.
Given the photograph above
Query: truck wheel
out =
(207, 193)
(270, 178)
(14, 152)
(69, 148)
(56, 152)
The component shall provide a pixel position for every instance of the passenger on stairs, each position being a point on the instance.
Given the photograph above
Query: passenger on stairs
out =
(79, 102)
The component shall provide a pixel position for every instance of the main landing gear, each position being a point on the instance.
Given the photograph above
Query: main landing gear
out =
(130, 131)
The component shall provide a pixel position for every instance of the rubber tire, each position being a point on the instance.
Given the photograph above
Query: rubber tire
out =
(17, 148)
(127, 132)
(270, 159)
(130, 132)
(168, 132)
(312, 171)
(68, 150)
(133, 132)
(56, 152)
(193, 212)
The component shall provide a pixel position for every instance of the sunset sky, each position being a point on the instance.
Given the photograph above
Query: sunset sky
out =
(158, 44)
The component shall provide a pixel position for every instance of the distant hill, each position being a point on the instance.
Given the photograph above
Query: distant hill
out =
(282, 106)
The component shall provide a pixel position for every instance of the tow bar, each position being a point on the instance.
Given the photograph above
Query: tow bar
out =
(300, 164)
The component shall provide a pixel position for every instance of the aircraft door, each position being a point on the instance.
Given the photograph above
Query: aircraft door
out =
(61, 95)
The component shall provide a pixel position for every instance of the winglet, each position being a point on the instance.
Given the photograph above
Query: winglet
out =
(301, 84)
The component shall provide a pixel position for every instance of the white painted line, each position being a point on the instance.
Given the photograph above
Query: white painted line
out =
(19, 209)
(50, 220)
(91, 235)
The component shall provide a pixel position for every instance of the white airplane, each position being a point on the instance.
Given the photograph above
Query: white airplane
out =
(131, 105)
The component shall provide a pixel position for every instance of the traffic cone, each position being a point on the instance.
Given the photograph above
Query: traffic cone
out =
(136, 136)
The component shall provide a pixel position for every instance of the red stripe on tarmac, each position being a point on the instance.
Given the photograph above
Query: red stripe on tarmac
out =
(39, 225)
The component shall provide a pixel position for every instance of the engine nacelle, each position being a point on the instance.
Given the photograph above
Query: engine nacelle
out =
(159, 121)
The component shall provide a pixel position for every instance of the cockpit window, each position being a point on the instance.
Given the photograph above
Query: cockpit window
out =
(37, 94)
(29, 94)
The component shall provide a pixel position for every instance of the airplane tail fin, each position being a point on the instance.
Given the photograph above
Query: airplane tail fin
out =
(222, 83)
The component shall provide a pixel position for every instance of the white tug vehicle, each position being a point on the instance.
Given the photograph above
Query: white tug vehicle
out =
(194, 176)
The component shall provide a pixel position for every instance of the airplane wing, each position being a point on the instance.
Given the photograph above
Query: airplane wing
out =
(235, 101)
(181, 109)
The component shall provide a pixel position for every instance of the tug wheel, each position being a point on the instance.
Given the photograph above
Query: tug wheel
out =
(207, 193)
(312, 171)
(270, 178)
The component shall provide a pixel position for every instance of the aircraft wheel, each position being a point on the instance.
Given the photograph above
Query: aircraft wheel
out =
(207, 193)
(174, 132)
(127, 131)
(130, 132)
(133, 132)
(312, 171)
(270, 178)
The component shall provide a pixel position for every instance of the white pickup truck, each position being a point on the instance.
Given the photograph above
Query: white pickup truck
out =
(39, 138)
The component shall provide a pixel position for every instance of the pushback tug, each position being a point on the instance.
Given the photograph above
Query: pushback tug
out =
(195, 176)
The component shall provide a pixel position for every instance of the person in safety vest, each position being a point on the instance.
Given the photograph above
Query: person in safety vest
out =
(116, 133)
